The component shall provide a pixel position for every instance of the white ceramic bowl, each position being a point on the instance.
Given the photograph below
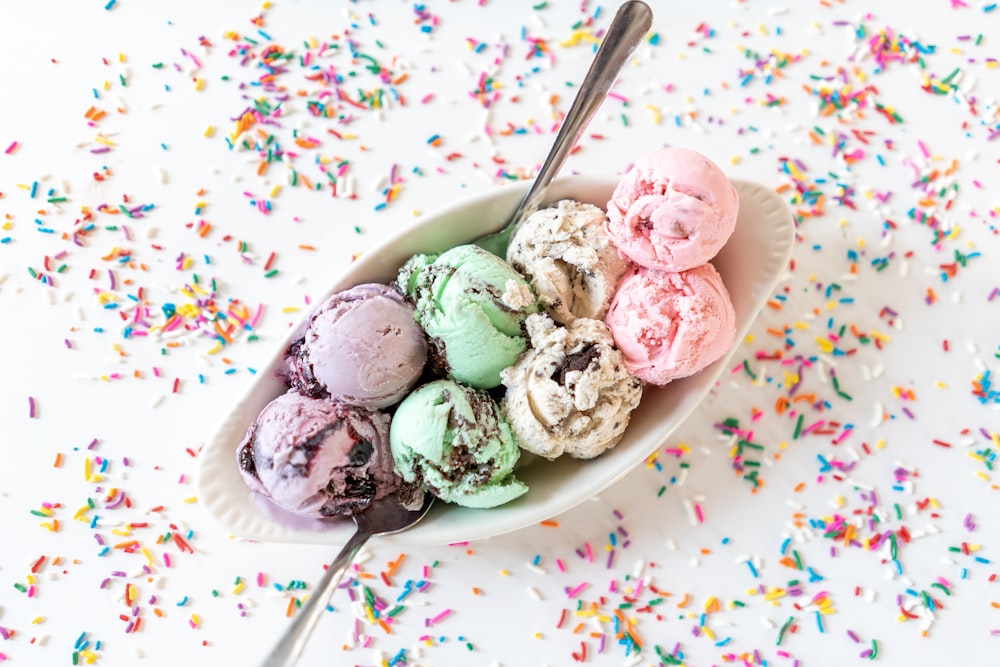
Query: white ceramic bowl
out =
(750, 264)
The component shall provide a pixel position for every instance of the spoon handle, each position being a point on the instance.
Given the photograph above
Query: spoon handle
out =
(629, 26)
(287, 651)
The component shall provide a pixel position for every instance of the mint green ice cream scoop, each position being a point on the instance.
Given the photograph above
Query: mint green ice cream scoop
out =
(454, 441)
(472, 306)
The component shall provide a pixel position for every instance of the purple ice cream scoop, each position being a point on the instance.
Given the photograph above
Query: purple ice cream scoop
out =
(319, 458)
(361, 346)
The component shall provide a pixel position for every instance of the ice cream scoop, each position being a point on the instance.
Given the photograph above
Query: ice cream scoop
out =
(471, 304)
(361, 346)
(569, 393)
(673, 210)
(565, 254)
(454, 441)
(670, 325)
(320, 458)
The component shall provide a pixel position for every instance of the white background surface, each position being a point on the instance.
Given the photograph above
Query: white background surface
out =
(88, 384)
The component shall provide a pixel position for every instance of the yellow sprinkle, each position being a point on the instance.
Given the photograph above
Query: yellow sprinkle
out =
(655, 110)
(275, 190)
(800, 325)
(148, 556)
(824, 344)
(842, 222)
(708, 632)
(983, 476)
(195, 619)
(121, 57)
(734, 159)
(504, 573)
(538, 635)
(839, 501)
(774, 594)
(199, 83)
(830, 305)
(290, 309)
(191, 499)
(238, 588)
(941, 385)
(123, 532)
(215, 348)
(209, 131)
(37, 619)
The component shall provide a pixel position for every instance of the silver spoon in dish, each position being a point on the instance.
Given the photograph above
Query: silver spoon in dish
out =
(629, 26)
(382, 517)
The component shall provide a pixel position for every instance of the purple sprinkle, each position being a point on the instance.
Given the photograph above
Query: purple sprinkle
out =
(102, 149)
(850, 633)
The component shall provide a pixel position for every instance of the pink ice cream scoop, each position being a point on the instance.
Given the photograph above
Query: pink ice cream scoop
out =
(673, 210)
(320, 458)
(669, 325)
(361, 346)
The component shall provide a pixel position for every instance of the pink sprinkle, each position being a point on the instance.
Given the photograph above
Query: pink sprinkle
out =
(698, 513)
(260, 579)
(923, 149)
(31, 407)
(431, 621)
(11, 148)
(573, 592)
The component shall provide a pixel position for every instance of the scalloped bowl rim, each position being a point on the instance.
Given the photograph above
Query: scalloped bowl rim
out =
(751, 265)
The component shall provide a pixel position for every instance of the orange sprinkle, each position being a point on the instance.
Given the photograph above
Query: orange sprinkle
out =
(58, 461)
(393, 565)
(684, 601)
(799, 487)
(290, 608)
(549, 523)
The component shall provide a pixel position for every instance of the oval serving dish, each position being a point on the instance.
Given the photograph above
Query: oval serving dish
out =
(750, 264)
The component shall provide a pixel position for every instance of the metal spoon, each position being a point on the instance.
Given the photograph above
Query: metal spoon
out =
(629, 26)
(383, 517)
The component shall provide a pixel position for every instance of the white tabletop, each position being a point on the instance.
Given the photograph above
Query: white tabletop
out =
(856, 525)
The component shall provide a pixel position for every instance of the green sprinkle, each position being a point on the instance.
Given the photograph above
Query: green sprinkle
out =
(20, 587)
(784, 628)
(271, 273)
(215, 593)
(942, 587)
(661, 491)
(798, 427)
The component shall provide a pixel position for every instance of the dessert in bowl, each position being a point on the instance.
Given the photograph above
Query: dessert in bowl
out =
(750, 264)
